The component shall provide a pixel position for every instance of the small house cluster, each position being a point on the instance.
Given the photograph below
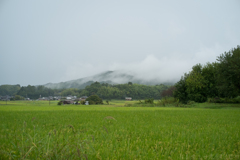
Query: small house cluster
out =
(5, 98)
(65, 100)
(72, 99)
(49, 98)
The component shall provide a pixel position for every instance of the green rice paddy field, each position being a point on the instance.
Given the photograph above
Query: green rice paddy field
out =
(37, 130)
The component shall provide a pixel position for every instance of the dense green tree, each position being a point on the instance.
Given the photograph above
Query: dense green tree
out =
(181, 89)
(129, 83)
(228, 73)
(209, 73)
(17, 97)
(168, 92)
(120, 91)
(70, 91)
(195, 81)
(218, 79)
(196, 84)
(34, 92)
(93, 88)
(94, 99)
(9, 89)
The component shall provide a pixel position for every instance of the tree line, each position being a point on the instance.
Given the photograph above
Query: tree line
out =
(220, 79)
(9, 89)
(104, 91)
(120, 91)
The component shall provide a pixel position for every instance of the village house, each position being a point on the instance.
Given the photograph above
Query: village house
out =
(68, 102)
(43, 98)
(57, 97)
(128, 98)
(6, 98)
(70, 97)
(83, 98)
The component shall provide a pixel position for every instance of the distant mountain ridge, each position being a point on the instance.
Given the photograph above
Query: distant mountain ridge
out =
(110, 77)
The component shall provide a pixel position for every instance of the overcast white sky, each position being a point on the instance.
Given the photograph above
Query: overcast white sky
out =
(45, 41)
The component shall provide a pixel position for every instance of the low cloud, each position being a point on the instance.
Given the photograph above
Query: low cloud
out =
(168, 68)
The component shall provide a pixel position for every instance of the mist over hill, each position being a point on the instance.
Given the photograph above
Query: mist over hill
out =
(110, 77)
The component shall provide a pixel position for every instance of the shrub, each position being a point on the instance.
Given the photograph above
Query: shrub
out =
(59, 103)
(17, 97)
(128, 105)
(91, 102)
(149, 101)
(94, 99)
(167, 100)
(224, 100)
(191, 103)
(168, 92)
(82, 102)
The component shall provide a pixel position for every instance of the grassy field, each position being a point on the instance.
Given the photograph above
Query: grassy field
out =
(37, 130)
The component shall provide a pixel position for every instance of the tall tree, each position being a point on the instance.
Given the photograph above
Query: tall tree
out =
(196, 85)
(228, 73)
(209, 73)
(181, 89)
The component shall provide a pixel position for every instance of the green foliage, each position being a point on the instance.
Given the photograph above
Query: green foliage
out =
(195, 81)
(59, 103)
(197, 97)
(228, 73)
(167, 101)
(18, 97)
(9, 89)
(209, 72)
(70, 91)
(191, 103)
(34, 92)
(82, 102)
(168, 92)
(224, 100)
(93, 88)
(104, 91)
(181, 89)
(149, 101)
(196, 85)
(218, 79)
(107, 102)
(94, 99)
(120, 91)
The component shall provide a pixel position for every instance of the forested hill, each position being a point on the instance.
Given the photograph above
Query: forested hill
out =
(110, 77)
(104, 90)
